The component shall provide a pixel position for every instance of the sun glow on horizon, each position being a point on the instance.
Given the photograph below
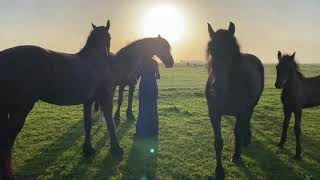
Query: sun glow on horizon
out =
(164, 20)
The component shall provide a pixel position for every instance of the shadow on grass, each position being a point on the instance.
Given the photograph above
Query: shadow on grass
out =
(310, 150)
(142, 159)
(37, 165)
(265, 158)
(271, 160)
(48, 155)
(108, 166)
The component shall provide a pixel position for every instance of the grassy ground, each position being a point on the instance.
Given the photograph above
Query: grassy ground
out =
(49, 146)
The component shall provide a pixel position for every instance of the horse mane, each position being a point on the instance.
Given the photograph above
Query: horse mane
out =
(295, 65)
(91, 41)
(140, 43)
(209, 59)
(133, 45)
(297, 68)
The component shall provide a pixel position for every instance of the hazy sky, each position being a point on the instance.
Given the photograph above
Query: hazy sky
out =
(262, 27)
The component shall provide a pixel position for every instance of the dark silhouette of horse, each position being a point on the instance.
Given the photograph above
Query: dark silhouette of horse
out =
(129, 112)
(130, 58)
(298, 92)
(30, 73)
(234, 87)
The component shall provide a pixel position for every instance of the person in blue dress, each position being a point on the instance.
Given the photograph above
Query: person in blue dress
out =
(147, 123)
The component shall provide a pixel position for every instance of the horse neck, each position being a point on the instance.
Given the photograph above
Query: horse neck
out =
(136, 50)
(236, 66)
(93, 47)
(294, 79)
(131, 56)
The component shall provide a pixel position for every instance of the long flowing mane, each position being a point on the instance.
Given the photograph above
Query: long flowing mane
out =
(235, 58)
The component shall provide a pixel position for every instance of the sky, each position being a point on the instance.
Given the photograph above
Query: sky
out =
(262, 27)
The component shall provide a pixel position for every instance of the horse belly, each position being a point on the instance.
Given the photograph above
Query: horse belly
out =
(67, 98)
(71, 89)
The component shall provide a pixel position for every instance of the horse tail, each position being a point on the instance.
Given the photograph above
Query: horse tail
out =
(262, 75)
(261, 68)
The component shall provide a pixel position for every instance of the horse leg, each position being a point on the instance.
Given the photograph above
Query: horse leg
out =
(87, 147)
(248, 134)
(218, 143)
(101, 117)
(5, 162)
(286, 121)
(120, 99)
(96, 106)
(107, 107)
(12, 125)
(5, 148)
(236, 158)
(242, 134)
(129, 113)
(297, 132)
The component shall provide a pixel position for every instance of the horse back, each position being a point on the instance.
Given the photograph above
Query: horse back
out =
(58, 78)
(311, 91)
(20, 67)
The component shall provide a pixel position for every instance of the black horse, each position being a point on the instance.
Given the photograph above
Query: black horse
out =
(298, 92)
(126, 64)
(234, 86)
(129, 113)
(30, 73)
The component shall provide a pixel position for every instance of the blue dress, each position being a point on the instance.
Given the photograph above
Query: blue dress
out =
(147, 123)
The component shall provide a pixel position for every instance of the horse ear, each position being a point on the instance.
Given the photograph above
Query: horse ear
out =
(279, 55)
(93, 26)
(232, 28)
(210, 30)
(159, 36)
(108, 25)
(293, 55)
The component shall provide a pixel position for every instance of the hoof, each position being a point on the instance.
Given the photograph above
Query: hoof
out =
(116, 121)
(297, 157)
(219, 173)
(88, 150)
(117, 151)
(236, 160)
(130, 116)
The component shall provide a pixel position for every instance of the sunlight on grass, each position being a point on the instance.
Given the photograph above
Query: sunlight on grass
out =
(49, 146)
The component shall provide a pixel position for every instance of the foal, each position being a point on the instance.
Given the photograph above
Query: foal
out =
(298, 92)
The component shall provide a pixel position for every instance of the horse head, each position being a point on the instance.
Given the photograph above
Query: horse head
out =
(162, 50)
(286, 65)
(223, 49)
(99, 39)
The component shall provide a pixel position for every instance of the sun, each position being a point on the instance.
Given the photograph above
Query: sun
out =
(164, 20)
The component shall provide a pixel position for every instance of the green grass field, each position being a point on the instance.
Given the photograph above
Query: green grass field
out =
(49, 146)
